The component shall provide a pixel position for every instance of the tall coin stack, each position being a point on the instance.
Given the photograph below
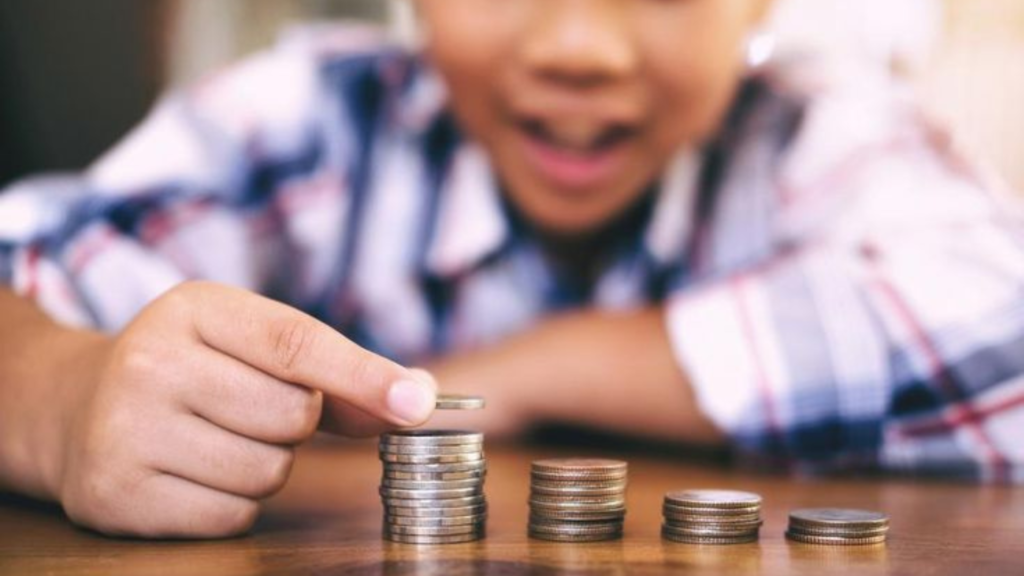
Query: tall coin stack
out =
(711, 516)
(837, 526)
(577, 499)
(433, 480)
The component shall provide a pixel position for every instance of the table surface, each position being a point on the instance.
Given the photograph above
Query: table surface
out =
(328, 519)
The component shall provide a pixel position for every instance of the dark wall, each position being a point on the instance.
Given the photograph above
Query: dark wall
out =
(75, 75)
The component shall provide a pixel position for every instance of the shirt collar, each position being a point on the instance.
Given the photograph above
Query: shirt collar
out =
(471, 222)
(672, 218)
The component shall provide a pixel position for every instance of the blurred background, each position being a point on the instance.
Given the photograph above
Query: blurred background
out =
(76, 75)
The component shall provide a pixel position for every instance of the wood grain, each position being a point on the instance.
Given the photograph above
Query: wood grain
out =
(327, 521)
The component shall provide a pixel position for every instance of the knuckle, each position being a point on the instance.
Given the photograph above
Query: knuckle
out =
(231, 518)
(304, 416)
(277, 469)
(290, 343)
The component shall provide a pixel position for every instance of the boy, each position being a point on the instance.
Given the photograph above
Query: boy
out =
(600, 217)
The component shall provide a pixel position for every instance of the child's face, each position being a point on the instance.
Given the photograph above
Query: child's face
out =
(580, 103)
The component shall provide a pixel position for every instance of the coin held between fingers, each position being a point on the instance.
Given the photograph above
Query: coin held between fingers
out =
(459, 402)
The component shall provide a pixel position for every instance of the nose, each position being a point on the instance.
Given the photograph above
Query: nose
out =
(579, 43)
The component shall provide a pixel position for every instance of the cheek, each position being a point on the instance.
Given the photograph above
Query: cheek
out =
(692, 79)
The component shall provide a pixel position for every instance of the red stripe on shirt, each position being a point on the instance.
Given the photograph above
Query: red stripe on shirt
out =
(959, 411)
(949, 420)
(32, 272)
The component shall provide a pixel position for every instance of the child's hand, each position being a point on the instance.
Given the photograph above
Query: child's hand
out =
(196, 407)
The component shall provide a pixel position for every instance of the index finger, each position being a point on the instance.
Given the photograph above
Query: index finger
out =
(297, 348)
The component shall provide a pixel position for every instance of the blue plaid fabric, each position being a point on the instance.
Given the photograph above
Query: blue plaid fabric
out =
(840, 286)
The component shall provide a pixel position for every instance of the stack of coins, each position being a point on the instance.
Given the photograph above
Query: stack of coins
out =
(432, 486)
(711, 516)
(837, 526)
(577, 499)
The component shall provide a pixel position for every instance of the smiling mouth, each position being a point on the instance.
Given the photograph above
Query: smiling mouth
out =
(580, 139)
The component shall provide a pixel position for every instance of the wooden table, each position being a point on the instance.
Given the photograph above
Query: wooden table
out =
(327, 521)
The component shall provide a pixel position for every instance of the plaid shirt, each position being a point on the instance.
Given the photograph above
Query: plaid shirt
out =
(840, 288)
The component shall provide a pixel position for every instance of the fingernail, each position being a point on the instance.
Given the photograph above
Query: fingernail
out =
(425, 377)
(411, 401)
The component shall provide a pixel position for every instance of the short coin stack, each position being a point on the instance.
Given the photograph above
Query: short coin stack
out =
(711, 516)
(837, 526)
(577, 499)
(432, 486)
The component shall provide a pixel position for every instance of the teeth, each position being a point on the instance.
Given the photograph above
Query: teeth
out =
(574, 134)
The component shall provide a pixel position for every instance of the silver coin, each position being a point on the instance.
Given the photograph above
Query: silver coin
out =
(434, 530)
(672, 509)
(427, 450)
(471, 475)
(417, 539)
(840, 517)
(434, 521)
(835, 541)
(692, 518)
(840, 532)
(577, 515)
(431, 484)
(432, 437)
(557, 468)
(600, 502)
(459, 402)
(436, 512)
(712, 499)
(577, 528)
(567, 537)
(442, 468)
(435, 503)
(715, 540)
(585, 491)
(709, 530)
(439, 494)
(432, 459)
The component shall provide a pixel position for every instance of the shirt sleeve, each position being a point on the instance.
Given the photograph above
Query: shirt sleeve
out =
(893, 338)
(225, 181)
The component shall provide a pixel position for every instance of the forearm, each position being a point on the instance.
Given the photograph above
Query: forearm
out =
(615, 371)
(39, 372)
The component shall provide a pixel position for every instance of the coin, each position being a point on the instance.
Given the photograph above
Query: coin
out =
(395, 475)
(434, 503)
(431, 484)
(429, 450)
(417, 539)
(572, 537)
(578, 515)
(432, 437)
(545, 506)
(442, 468)
(576, 527)
(434, 530)
(578, 468)
(688, 539)
(712, 499)
(837, 517)
(840, 532)
(432, 459)
(436, 512)
(433, 494)
(835, 540)
(459, 402)
(669, 508)
(584, 491)
(692, 518)
(434, 521)
(711, 531)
